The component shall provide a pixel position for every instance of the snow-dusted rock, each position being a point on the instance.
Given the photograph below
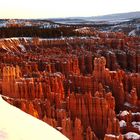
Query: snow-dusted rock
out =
(122, 123)
(132, 136)
(124, 113)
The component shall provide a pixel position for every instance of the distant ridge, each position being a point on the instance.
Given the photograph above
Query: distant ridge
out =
(129, 15)
(118, 17)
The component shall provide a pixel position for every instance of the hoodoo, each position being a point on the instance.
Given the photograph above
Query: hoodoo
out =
(88, 88)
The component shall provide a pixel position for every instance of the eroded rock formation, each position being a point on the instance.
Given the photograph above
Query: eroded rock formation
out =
(81, 89)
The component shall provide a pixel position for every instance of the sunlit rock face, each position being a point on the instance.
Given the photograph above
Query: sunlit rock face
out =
(85, 87)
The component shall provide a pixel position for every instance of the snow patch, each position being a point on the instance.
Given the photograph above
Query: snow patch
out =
(111, 135)
(122, 123)
(2, 25)
(137, 113)
(132, 136)
(127, 104)
(22, 48)
(132, 33)
(136, 125)
(124, 113)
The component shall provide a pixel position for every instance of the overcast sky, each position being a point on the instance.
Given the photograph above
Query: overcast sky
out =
(64, 8)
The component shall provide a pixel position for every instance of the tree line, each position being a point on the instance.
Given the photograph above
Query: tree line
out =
(7, 32)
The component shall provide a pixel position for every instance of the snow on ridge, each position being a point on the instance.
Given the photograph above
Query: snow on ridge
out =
(18, 125)
(132, 33)
(30, 39)
(136, 113)
(112, 136)
(23, 49)
(136, 125)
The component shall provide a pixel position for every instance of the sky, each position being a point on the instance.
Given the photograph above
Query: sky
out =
(64, 8)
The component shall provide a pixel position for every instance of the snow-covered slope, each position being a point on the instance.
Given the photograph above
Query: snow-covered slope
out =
(117, 16)
(17, 125)
(104, 19)
(41, 23)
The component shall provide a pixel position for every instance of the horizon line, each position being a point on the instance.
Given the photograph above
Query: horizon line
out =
(45, 18)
